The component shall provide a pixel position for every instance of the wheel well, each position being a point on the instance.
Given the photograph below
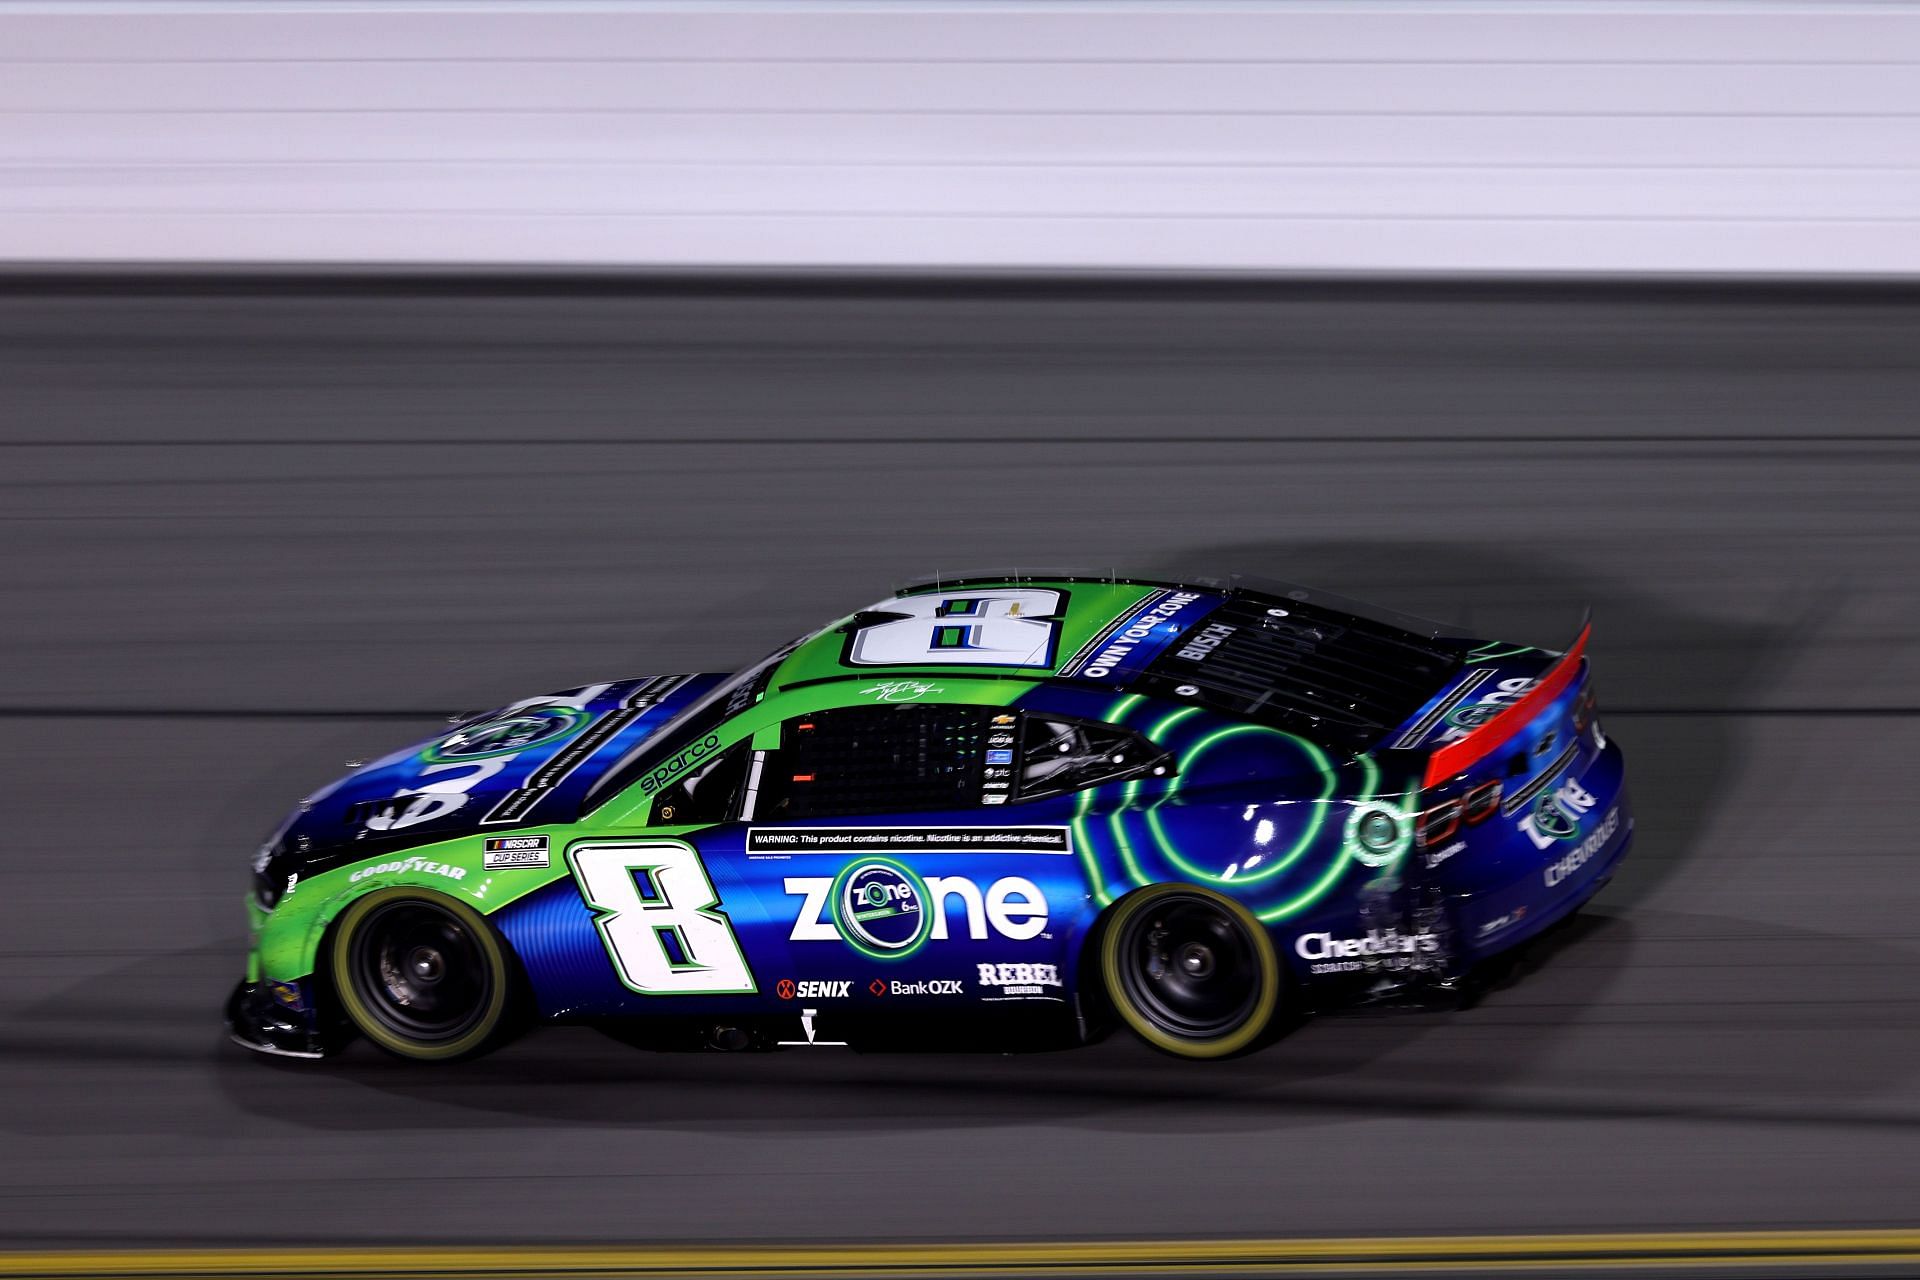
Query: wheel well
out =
(326, 1001)
(1096, 1001)
(521, 1002)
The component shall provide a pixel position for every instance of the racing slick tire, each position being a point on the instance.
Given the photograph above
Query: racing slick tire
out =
(1190, 971)
(423, 976)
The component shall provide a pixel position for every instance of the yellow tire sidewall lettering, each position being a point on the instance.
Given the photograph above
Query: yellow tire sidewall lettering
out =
(363, 1018)
(1257, 1020)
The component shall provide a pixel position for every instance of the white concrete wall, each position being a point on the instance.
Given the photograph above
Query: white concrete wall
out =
(1498, 137)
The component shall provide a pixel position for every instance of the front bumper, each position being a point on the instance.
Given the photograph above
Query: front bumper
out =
(278, 1018)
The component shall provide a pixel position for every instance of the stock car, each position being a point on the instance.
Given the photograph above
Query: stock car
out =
(1030, 805)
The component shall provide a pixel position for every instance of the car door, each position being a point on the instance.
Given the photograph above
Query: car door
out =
(868, 866)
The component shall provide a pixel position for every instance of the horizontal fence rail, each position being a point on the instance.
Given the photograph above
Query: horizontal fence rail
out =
(1517, 138)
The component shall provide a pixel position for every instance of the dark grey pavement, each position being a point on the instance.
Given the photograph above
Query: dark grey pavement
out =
(246, 534)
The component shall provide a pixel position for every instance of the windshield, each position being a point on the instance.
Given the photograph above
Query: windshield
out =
(728, 699)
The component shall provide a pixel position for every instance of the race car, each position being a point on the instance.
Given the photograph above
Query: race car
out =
(1000, 808)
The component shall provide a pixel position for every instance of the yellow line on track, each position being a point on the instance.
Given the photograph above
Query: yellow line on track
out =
(1726, 1250)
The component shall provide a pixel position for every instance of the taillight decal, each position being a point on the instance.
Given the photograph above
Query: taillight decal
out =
(1480, 803)
(1438, 823)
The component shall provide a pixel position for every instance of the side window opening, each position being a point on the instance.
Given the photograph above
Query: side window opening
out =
(708, 795)
(1058, 755)
(888, 758)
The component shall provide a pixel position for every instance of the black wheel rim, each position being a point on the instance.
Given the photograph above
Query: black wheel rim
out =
(419, 970)
(1189, 967)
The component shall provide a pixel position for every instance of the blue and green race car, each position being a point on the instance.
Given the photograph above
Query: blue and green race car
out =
(1013, 810)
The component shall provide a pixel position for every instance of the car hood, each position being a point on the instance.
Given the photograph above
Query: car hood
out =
(528, 763)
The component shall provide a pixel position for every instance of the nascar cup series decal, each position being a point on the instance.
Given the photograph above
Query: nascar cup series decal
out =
(504, 852)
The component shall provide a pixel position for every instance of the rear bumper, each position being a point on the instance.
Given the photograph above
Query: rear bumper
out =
(277, 1018)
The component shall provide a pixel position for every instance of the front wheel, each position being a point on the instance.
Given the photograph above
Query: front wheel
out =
(422, 976)
(1190, 971)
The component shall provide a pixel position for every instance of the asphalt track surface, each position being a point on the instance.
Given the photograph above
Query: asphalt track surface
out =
(249, 531)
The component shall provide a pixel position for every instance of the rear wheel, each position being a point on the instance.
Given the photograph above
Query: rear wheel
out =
(422, 976)
(1190, 971)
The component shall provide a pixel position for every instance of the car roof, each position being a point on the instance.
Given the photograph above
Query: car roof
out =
(1270, 653)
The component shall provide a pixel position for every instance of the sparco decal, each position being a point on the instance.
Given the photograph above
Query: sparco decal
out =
(881, 908)
(1583, 853)
(669, 771)
(1380, 948)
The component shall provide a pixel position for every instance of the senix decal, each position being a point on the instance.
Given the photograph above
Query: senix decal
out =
(998, 627)
(1140, 637)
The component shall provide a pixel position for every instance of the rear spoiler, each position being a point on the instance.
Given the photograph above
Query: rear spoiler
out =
(1456, 758)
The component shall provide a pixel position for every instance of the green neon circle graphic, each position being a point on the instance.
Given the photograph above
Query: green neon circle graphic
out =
(1084, 847)
(1395, 806)
(1137, 875)
(1322, 766)
(851, 935)
(1308, 896)
(1367, 854)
